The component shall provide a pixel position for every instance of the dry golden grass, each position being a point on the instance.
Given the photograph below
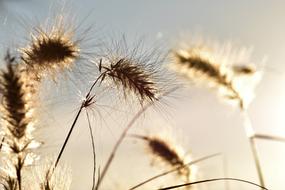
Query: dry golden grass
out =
(132, 71)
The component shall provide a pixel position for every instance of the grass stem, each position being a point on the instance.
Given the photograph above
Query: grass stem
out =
(269, 137)
(256, 161)
(212, 180)
(250, 135)
(174, 170)
(118, 143)
(68, 136)
(124, 134)
(86, 102)
(93, 150)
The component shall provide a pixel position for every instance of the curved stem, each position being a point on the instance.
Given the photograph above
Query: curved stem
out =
(118, 143)
(123, 135)
(83, 104)
(225, 171)
(93, 151)
(211, 180)
(174, 170)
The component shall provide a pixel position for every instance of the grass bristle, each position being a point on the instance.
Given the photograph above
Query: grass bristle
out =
(50, 178)
(50, 50)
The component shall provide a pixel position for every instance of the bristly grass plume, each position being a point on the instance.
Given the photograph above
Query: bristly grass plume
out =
(52, 49)
(167, 153)
(219, 67)
(17, 120)
(133, 70)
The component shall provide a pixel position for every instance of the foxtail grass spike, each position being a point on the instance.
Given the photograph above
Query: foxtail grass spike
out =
(17, 118)
(51, 50)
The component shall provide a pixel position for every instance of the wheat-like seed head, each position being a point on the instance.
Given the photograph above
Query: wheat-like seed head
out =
(133, 71)
(51, 49)
(17, 104)
(199, 66)
(17, 118)
(132, 77)
(167, 153)
(205, 65)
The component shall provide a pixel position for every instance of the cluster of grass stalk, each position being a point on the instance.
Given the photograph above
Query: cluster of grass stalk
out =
(136, 74)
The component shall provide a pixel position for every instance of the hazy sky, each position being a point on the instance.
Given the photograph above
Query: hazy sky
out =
(206, 124)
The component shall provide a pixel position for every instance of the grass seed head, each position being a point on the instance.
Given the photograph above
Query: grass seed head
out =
(133, 71)
(17, 107)
(163, 150)
(167, 153)
(16, 104)
(217, 68)
(51, 49)
(132, 78)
